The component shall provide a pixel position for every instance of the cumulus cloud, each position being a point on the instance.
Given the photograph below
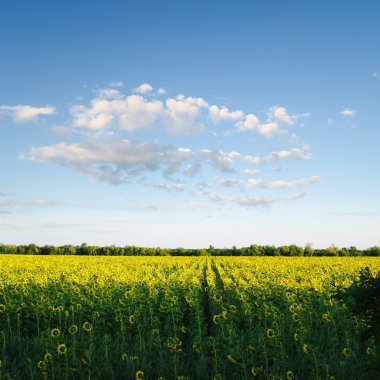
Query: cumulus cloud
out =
(100, 152)
(278, 155)
(220, 114)
(277, 117)
(24, 113)
(348, 112)
(251, 122)
(218, 159)
(177, 115)
(143, 88)
(114, 162)
(130, 113)
(234, 154)
(281, 115)
(134, 112)
(253, 182)
(182, 114)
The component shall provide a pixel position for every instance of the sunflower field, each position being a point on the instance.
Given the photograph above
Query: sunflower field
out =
(80, 317)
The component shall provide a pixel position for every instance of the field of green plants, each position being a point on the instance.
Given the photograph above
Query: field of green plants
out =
(78, 317)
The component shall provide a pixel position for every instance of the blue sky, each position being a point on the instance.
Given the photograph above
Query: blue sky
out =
(190, 123)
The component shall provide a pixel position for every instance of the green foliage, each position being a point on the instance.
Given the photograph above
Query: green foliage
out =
(363, 298)
(85, 317)
(253, 250)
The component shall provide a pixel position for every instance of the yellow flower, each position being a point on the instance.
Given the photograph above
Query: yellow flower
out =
(62, 349)
(55, 333)
(131, 319)
(295, 317)
(2, 308)
(270, 333)
(369, 351)
(326, 317)
(305, 348)
(41, 364)
(124, 356)
(87, 326)
(346, 352)
(254, 372)
(296, 336)
(184, 329)
(289, 375)
(73, 329)
(232, 359)
(139, 375)
(215, 319)
(47, 357)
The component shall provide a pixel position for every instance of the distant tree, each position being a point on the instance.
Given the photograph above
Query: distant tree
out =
(204, 252)
(308, 250)
(8, 249)
(373, 251)
(332, 250)
(211, 250)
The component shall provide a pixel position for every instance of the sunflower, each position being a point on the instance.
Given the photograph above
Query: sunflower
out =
(55, 333)
(62, 349)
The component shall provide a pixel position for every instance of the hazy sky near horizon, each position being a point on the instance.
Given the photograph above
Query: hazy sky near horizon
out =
(190, 123)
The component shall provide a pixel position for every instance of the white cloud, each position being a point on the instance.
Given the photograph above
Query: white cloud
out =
(248, 201)
(256, 182)
(220, 114)
(218, 159)
(172, 186)
(139, 113)
(269, 129)
(278, 155)
(116, 84)
(276, 116)
(23, 113)
(296, 196)
(228, 182)
(281, 115)
(130, 113)
(251, 122)
(282, 184)
(114, 162)
(348, 112)
(109, 93)
(143, 88)
(250, 171)
(182, 114)
(233, 154)
(161, 91)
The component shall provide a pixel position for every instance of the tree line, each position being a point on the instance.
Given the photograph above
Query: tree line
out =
(131, 250)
